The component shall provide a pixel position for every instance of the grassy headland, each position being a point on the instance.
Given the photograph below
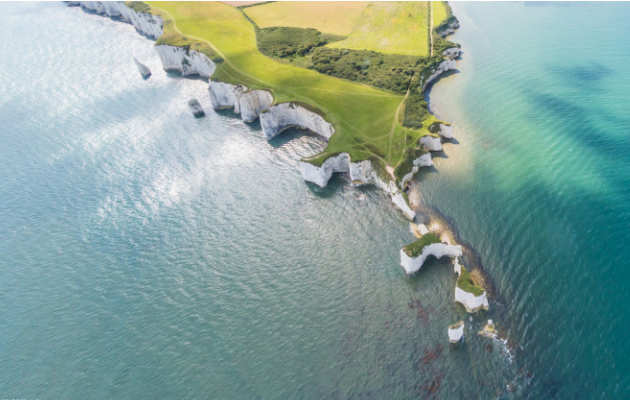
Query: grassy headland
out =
(366, 106)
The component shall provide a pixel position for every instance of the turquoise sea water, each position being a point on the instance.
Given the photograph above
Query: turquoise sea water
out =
(146, 254)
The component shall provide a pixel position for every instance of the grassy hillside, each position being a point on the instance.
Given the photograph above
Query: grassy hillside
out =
(365, 118)
(391, 27)
(328, 17)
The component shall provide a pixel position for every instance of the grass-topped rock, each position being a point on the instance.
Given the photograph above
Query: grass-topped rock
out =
(469, 291)
(415, 249)
(413, 256)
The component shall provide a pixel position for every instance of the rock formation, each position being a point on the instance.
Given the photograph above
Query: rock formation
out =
(456, 332)
(196, 108)
(438, 250)
(145, 72)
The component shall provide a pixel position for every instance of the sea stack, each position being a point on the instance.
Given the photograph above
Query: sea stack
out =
(456, 332)
(196, 108)
(145, 72)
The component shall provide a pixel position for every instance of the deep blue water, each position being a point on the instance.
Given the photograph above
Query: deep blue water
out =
(146, 254)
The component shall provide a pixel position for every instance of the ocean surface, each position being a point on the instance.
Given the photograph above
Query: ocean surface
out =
(147, 254)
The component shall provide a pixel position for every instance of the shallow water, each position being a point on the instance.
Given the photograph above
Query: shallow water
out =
(149, 254)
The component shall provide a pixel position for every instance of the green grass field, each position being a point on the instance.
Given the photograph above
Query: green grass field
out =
(394, 28)
(366, 119)
(329, 17)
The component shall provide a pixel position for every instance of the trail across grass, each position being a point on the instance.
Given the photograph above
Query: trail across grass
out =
(364, 117)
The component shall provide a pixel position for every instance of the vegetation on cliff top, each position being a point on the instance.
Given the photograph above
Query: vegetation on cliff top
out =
(415, 249)
(369, 122)
(467, 284)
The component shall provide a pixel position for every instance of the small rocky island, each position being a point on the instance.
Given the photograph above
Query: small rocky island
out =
(145, 72)
(196, 108)
(456, 332)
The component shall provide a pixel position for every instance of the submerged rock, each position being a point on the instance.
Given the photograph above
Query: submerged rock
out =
(456, 332)
(196, 108)
(145, 72)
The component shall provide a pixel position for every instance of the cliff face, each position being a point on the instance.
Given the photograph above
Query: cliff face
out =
(253, 104)
(424, 160)
(146, 24)
(184, 61)
(431, 143)
(443, 67)
(292, 115)
(249, 103)
(471, 303)
(438, 250)
(361, 173)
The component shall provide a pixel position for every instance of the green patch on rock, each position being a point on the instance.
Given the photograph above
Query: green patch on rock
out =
(465, 283)
(415, 249)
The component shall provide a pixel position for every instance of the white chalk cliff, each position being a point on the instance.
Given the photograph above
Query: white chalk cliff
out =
(438, 250)
(443, 67)
(361, 173)
(446, 131)
(456, 332)
(146, 24)
(453, 52)
(184, 61)
(283, 116)
(431, 143)
(424, 160)
(249, 103)
(471, 303)
(253, 104)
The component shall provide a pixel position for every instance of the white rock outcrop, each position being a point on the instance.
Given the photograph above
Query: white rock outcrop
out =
(322, 174)
(253, 102)
(185, 61)
(446, 131)
(456, 332)
(178, 59)
(438, 250)
(283, 116)
(450, 28)
(471, 303)
(361, 173)
(444, 66)
(457, 267)
(431, 143)
(452, 53)
(146, 24)
(424, 160)
(225, 96)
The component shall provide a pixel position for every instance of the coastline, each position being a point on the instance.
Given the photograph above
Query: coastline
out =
(277, 117)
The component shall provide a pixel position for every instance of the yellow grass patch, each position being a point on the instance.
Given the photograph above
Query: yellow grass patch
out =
(391, 27)
(363, 117)
(439, 12)
(338, 18)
